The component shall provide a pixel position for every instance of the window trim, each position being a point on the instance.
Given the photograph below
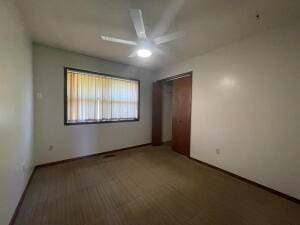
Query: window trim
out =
(66, 123)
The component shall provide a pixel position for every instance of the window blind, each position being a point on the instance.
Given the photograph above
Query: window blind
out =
(100, 98)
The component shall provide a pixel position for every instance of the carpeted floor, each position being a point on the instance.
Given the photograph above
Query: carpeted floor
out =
(148, 185)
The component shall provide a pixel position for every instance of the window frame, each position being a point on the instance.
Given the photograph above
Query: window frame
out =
(66, 123)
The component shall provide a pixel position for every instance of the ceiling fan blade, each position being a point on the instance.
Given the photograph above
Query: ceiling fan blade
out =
(138, 23)
(133, 54)
(168, 37)
(167, 17)
(117, 40)
(157, 50)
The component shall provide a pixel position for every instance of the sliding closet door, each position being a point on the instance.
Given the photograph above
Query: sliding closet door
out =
(156, 113)
(181, 114)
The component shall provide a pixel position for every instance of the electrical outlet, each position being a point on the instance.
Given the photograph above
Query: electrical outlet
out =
(218, 151)
(50, 148)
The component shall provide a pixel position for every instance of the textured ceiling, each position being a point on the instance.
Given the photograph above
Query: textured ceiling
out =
(77, 25)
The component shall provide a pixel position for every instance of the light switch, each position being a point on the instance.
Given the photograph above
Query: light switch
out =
(39, 95)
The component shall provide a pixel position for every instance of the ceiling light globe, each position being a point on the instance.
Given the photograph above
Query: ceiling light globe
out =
(144, 53)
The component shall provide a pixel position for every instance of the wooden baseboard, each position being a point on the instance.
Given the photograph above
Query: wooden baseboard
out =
(92, 155)
(13, 218)
(278, 193)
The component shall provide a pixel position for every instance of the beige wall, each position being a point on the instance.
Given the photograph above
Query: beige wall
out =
(246, 102)
(80, 140)
(16, 109)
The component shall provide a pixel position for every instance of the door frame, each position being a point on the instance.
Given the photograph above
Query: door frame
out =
(157, 120)
(182, 75)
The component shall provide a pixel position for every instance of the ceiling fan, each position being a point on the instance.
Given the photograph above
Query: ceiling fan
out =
(144, 45)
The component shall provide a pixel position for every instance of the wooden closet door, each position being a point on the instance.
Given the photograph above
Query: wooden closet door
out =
(181, 115)
(157, 113)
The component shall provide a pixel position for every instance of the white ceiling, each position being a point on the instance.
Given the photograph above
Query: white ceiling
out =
(77, 25)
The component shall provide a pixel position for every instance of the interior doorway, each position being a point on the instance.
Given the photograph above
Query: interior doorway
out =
(171, 116)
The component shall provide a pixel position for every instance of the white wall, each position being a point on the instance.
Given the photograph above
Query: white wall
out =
(246, 102)
(16, 109)
(79, 140)
(167, 113)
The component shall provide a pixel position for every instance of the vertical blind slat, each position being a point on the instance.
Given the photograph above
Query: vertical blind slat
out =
(96, 98)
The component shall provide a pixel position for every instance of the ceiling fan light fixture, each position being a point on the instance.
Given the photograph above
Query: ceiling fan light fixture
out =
(144, 53)
(144, 45)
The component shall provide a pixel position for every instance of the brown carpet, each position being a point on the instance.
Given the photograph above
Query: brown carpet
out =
(148, 185)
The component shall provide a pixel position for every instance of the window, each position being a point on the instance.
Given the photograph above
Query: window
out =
(97, 98)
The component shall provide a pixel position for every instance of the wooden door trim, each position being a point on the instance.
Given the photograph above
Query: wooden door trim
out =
(178, 76)
(182, 75)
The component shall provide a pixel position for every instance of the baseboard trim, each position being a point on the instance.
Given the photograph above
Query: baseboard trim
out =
(89, 156)
(273, 191)
(13, 218)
